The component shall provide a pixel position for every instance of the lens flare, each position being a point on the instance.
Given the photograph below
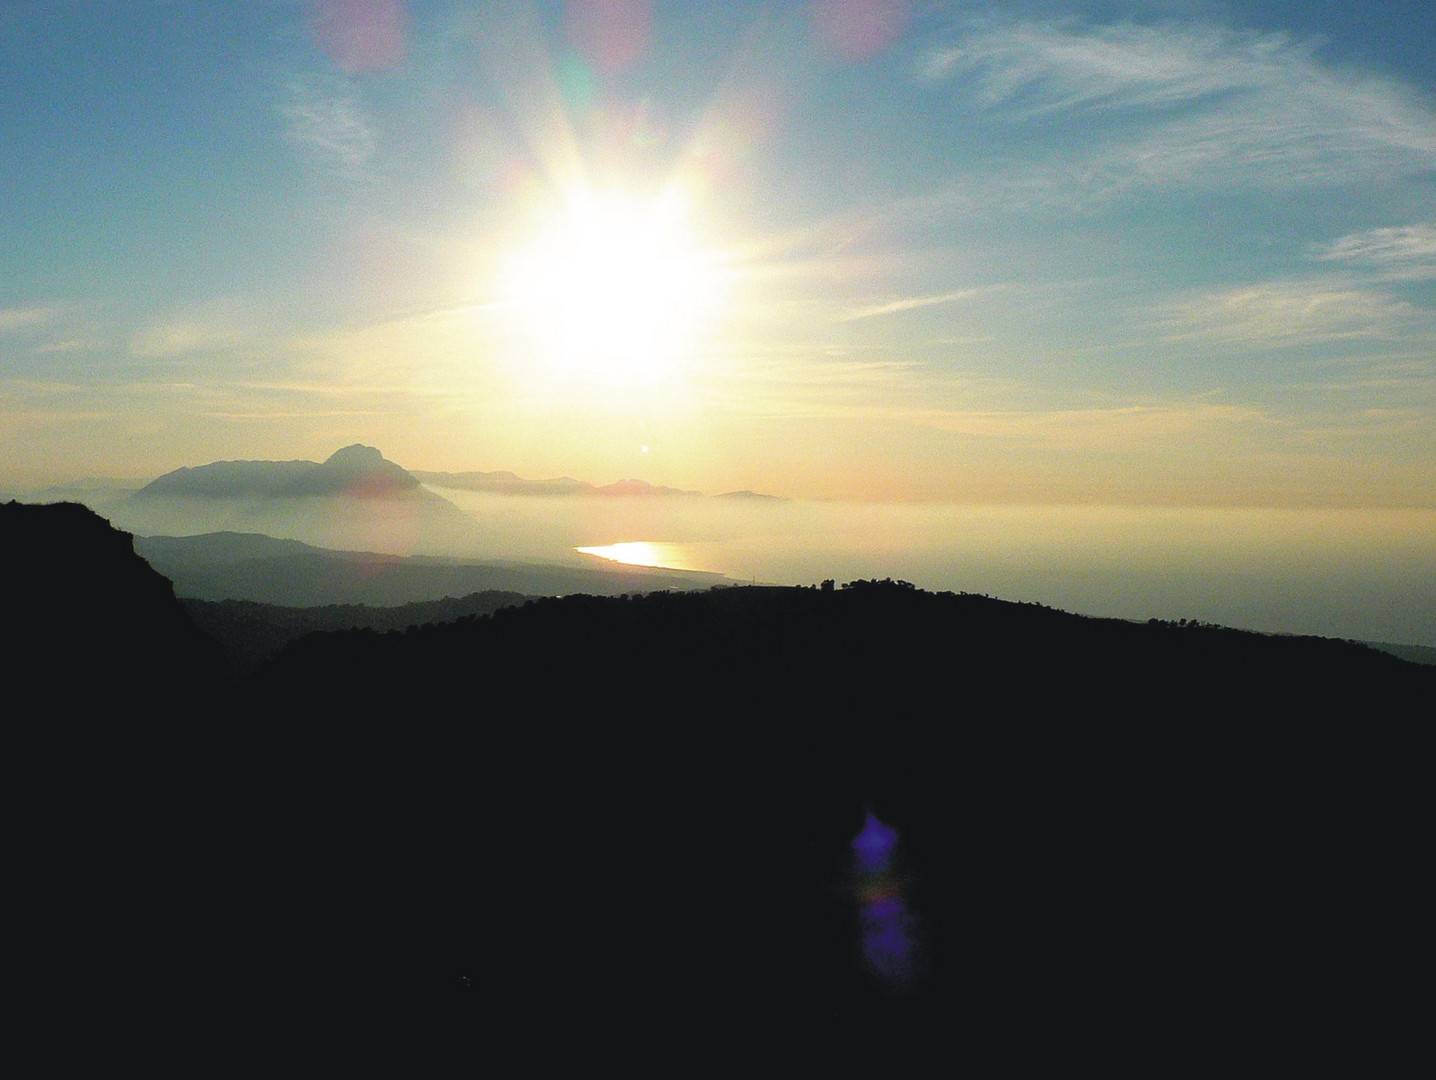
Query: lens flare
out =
(890, 931)
(874, 845)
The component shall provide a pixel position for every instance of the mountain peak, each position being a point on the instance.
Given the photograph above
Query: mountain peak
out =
(357, 470)
(641, 488)
(357, 456)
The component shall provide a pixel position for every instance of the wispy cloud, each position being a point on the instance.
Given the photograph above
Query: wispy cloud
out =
(1404, 253)
(1282, 314)
(40, 331)
(13, 320)
(1047, 67)
(68, 345)
(213, 327)
(1196, 105)
(1128, 427)
(1125, 426)
(325, 118)
(906, 303)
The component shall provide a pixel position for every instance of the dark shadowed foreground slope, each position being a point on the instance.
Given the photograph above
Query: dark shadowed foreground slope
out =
(115, 722)
(86, 617)
(251, 633)
(1116, 843)
(799, 821)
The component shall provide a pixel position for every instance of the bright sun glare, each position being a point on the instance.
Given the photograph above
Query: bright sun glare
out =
(616, 289)
(642, 553)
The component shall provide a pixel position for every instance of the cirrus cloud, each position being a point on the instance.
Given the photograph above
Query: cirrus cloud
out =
(1194, 105)
(14, 320)
(1402, 253)
(325, 118)
(1287, 313)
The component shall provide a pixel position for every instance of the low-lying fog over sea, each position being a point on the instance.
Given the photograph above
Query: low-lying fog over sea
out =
(1351, 573)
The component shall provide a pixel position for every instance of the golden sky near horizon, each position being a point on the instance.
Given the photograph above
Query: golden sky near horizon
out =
(857, 249)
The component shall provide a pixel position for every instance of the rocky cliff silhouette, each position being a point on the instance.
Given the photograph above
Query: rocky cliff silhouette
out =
(121, 796)
(90, 621)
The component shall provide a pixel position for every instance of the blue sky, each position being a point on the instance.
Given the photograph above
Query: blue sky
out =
(1172, 253)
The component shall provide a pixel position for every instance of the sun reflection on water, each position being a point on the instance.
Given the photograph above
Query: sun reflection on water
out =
(643, 553)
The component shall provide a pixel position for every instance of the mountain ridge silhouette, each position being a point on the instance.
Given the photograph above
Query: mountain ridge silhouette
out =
(357, 470)
(1126, 837)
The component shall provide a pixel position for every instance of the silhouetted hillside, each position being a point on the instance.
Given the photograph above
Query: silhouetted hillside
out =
(251, 633)
(89, 620)
(803, 819)
(860, 646)
(119, 779)
(1122, 837)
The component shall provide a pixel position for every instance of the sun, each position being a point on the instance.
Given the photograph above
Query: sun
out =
(616, 289)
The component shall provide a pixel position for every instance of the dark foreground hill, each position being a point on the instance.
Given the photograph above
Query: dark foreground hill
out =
(250, 633)
(86, 617)
(793, 821)
(1115, 842)
(881, 651)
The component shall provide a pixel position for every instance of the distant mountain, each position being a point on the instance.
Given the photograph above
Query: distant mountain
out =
(354, 499)
(229, 480)
(97, 493)
(357, 471)
(642, 489)
(751, 496)
(1416, 654)
(183, 555)
(232, 566)
(506, 483)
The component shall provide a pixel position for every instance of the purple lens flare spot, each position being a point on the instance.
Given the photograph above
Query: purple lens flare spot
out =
(890, 933)
(874, 845)
(885, 907)
(888, 942)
